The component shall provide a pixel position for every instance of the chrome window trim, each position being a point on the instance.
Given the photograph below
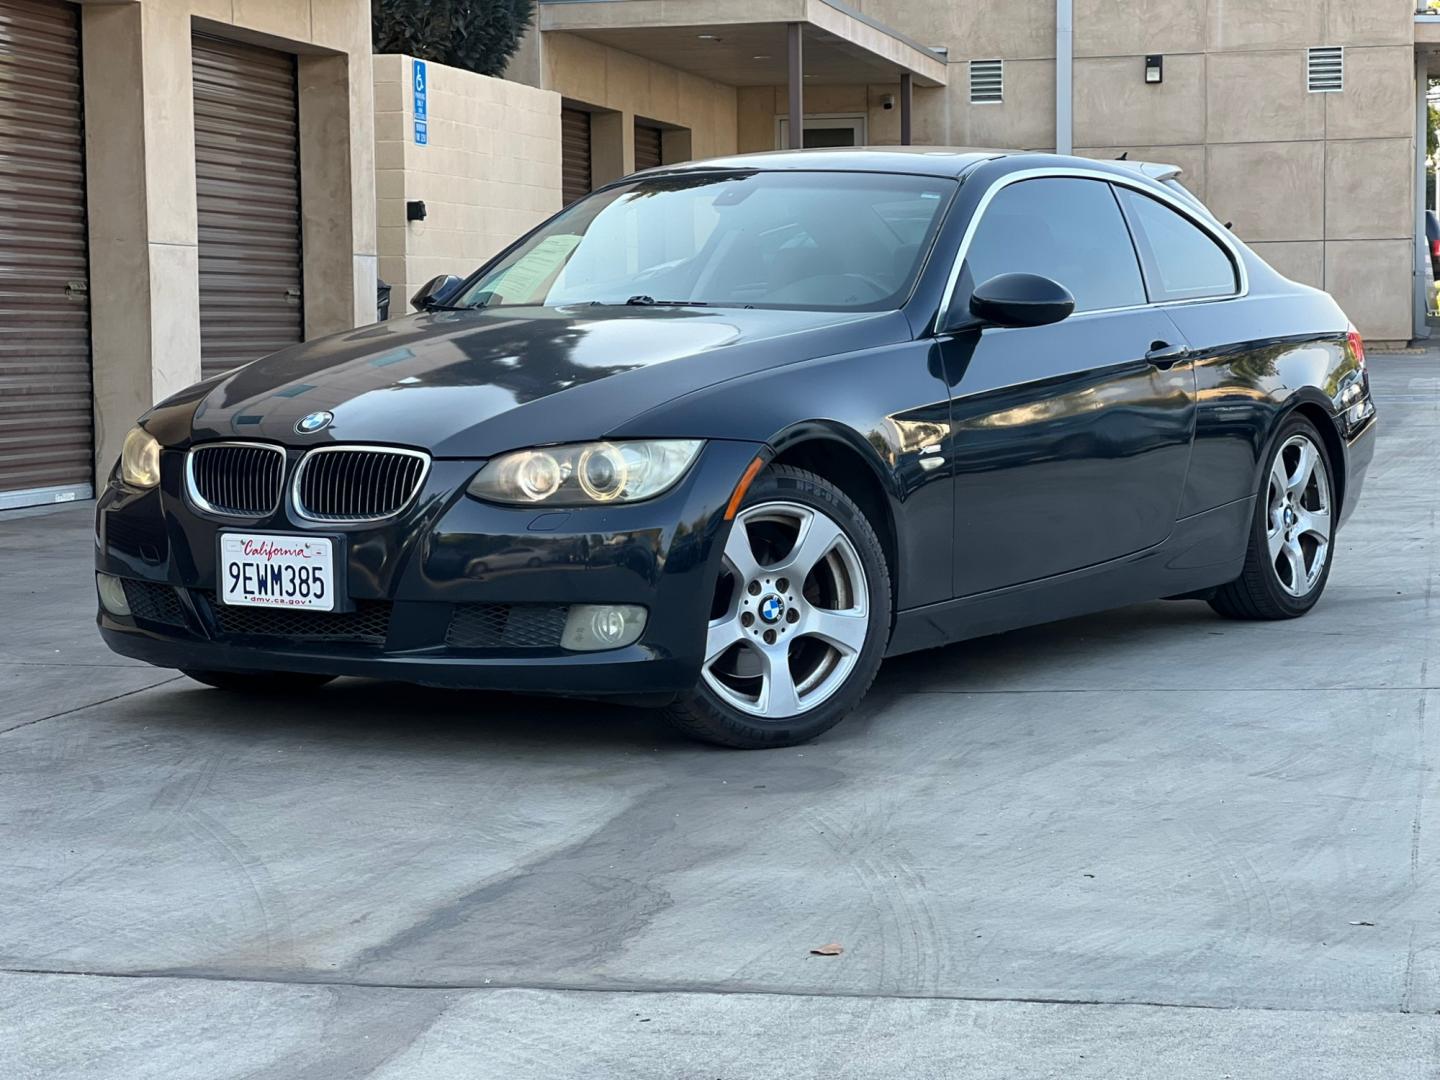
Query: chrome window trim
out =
(192, 493)
(1080, 173)
(298, 510)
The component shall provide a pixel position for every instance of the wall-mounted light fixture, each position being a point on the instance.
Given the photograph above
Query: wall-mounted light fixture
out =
(1154, 68)
(415, 210)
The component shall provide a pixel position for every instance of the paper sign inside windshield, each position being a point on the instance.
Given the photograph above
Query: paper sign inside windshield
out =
(519, 283)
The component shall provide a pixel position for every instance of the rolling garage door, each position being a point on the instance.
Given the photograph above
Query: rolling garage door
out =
(247, 184)
(45, 401)
(574, 154)
(647, 147)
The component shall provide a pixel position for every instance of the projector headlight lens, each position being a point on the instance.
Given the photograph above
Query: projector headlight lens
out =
(586, 474)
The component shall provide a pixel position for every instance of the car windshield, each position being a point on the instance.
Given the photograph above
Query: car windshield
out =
(829, 241)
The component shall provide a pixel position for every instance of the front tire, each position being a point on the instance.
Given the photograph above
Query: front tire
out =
(1292, 534)
(800, 618)
(259, 683)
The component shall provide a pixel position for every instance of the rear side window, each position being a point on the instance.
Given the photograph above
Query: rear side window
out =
(1182, 260)
(1067, 229)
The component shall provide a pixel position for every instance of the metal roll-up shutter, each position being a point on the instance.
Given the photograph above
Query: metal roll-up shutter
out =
(247, 186)
(574, 154)
(647, 147)
(45, 398)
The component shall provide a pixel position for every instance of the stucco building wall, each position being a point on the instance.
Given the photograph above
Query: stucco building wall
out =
(489, 173)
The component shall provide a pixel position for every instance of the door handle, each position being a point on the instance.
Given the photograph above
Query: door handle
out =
(1164, 355)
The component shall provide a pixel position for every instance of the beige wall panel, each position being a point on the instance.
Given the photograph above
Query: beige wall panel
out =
(219, 10)
(1367, 189)
(174, 336)
(1259, 97)
(1371, 22)
(1267, 24)
(932, 125)
(169, 124)
(341, 24)
(288, 19)
(1191, 160)
(1108, 28)
(882, 124)
(1302, 261)
(1379, 96)
(1270, 191)
(1371, 280)
(755, 108)
(663, 93)
(1024, 120)
(1012, 30)
(575, 68)
(1113, 103)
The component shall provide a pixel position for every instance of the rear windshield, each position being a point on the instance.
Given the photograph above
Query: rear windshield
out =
(813, 240)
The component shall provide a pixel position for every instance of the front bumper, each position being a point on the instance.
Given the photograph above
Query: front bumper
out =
(419, 575)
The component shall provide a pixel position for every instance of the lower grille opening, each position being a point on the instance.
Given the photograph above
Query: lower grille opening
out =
(506, 626)
(368, 624)
(151, 602)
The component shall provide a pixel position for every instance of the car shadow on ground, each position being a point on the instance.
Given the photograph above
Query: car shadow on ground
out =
(361, 710)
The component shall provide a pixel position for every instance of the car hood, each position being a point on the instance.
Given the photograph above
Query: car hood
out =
(476, 383)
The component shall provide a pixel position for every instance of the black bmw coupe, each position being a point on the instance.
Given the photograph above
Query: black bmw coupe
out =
(722, 436)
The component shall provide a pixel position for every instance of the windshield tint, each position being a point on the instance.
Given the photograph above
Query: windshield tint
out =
(827, 241)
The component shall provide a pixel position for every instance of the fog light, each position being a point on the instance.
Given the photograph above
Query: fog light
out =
(591, 627)
(112, 594)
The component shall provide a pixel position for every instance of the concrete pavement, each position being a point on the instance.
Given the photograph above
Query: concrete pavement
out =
(1145, 843)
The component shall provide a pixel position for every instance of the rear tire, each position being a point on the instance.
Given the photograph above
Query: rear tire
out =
(259, 683)
(800, 620)
(1292, 535)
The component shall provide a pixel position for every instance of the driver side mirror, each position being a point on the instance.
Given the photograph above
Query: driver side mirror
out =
(1021, 300)
(437, 292)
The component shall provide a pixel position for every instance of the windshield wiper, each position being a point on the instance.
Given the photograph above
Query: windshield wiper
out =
(650, 301)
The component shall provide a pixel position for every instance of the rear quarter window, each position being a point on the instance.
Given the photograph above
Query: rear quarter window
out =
(1182, 261)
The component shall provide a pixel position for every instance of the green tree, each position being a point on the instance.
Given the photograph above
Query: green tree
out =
(476, 35)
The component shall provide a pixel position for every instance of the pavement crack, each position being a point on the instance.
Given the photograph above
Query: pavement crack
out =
(632, 987)
(88, 705)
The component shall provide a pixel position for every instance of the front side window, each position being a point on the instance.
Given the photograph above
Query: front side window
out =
(1184, 262)
(1067, 229)
(815, 240)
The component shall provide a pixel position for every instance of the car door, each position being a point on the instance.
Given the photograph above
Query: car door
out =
(1071, 441)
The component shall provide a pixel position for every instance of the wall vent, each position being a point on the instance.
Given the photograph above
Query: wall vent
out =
(1327, 70)
(987, 82)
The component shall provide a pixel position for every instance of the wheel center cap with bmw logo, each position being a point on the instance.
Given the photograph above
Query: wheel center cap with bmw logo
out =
(315, 421)
(772, 609)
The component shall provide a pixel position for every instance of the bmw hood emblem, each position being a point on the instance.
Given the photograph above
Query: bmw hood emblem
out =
(315, 421)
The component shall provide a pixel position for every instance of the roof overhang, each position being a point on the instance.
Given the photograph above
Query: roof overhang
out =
(744, 44)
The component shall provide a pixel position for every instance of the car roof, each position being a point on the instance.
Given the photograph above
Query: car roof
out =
(951, 161)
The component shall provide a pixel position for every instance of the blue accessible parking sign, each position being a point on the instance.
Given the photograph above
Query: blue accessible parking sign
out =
(420, 81)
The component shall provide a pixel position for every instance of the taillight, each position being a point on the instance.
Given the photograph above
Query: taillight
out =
(1435, 247)
(1356, 345)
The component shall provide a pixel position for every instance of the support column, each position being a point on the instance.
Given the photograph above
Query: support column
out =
(1421, 269)
(1064, 76)
(612, 146)
(143, 230)
(907, 102)
(797, 87)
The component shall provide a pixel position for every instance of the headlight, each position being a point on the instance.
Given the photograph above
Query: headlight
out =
(586, 474)
(140, 459)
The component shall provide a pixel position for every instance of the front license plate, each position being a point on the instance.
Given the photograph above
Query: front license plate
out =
(268, 570)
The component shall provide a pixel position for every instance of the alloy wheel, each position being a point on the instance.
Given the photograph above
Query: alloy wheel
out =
(1298, 523)
(791, 612)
